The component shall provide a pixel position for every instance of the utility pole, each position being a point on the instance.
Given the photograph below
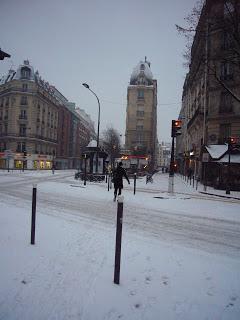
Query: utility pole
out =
(205, 106)
(232, 142)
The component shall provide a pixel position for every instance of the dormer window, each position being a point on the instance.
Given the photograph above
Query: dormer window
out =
(142, 67)
(25, 73)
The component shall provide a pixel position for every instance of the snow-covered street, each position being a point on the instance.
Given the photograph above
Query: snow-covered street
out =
(180, 253)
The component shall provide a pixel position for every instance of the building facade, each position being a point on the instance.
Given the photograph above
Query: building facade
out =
(164, 155)
(37, 126)
(211, 101)
(141, 115)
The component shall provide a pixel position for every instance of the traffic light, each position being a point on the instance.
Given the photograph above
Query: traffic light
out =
(233, 142)
(176, 127)
(175, 167)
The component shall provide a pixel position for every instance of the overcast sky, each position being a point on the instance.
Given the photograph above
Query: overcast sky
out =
(99, 42)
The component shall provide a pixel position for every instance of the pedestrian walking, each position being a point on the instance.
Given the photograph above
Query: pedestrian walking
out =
(117, 179)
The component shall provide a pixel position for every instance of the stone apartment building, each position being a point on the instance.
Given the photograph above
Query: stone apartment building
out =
(211, 101)
(37, 128)
(141, 114)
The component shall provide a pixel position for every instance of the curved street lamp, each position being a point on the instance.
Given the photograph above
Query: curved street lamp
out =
(87, 87)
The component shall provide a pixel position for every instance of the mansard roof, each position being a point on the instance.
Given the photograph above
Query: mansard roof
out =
(142, 71)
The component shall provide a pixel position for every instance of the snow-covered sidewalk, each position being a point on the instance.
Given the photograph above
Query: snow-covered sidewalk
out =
(68, 274)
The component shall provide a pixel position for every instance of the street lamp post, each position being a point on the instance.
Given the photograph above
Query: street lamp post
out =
(87, 86)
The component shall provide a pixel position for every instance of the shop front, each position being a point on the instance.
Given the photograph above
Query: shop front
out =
(2, 160)
(41, 162)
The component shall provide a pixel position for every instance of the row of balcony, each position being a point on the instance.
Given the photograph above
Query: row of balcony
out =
(25, 135)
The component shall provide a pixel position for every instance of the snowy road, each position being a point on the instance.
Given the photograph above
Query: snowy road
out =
(180, 253)
(212, 233)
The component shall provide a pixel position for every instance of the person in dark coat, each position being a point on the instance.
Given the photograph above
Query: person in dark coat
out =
(118, 175)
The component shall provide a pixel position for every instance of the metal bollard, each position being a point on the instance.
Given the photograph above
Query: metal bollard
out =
(135, 180)
(118, 240)
(34, 201)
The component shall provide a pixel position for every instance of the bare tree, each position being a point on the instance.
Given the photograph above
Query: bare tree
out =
(189, 30)
(112, 143)
(230, 29)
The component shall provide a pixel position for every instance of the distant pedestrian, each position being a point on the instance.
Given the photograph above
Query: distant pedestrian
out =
(117, 179)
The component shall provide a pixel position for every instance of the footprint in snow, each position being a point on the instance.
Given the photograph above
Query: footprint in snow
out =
(147, 279)
(165, 280)
(231, 304)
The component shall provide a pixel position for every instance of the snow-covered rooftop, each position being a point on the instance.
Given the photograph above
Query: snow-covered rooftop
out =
(217, 150)
(92, 144)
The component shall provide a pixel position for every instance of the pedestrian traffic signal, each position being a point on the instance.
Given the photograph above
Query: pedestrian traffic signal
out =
(176, 127)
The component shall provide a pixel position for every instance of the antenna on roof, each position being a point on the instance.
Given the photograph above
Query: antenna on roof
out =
(145, 59)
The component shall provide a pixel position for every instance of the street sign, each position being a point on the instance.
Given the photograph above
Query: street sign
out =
(205, 157)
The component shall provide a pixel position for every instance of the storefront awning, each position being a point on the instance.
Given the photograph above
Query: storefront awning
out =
(234, 158)
(217, 150)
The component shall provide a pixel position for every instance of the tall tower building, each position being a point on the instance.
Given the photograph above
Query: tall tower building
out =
(141, 118)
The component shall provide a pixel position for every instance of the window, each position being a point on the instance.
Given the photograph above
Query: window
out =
(22, 130)
(7, 101)
(226, 71)
(6, 114)
(140, 113)
(24, 87)
(3, 146)
(139, 126)
(23, 114)
(25, 73)
(140, 94)
(24, 100)
(225, 103)
(21, 146)
(226, 40)
(224, 132)
(139, 138)
(142, 67)
(141, 80)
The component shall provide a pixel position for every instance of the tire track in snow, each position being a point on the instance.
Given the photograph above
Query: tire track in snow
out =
(209, 234)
